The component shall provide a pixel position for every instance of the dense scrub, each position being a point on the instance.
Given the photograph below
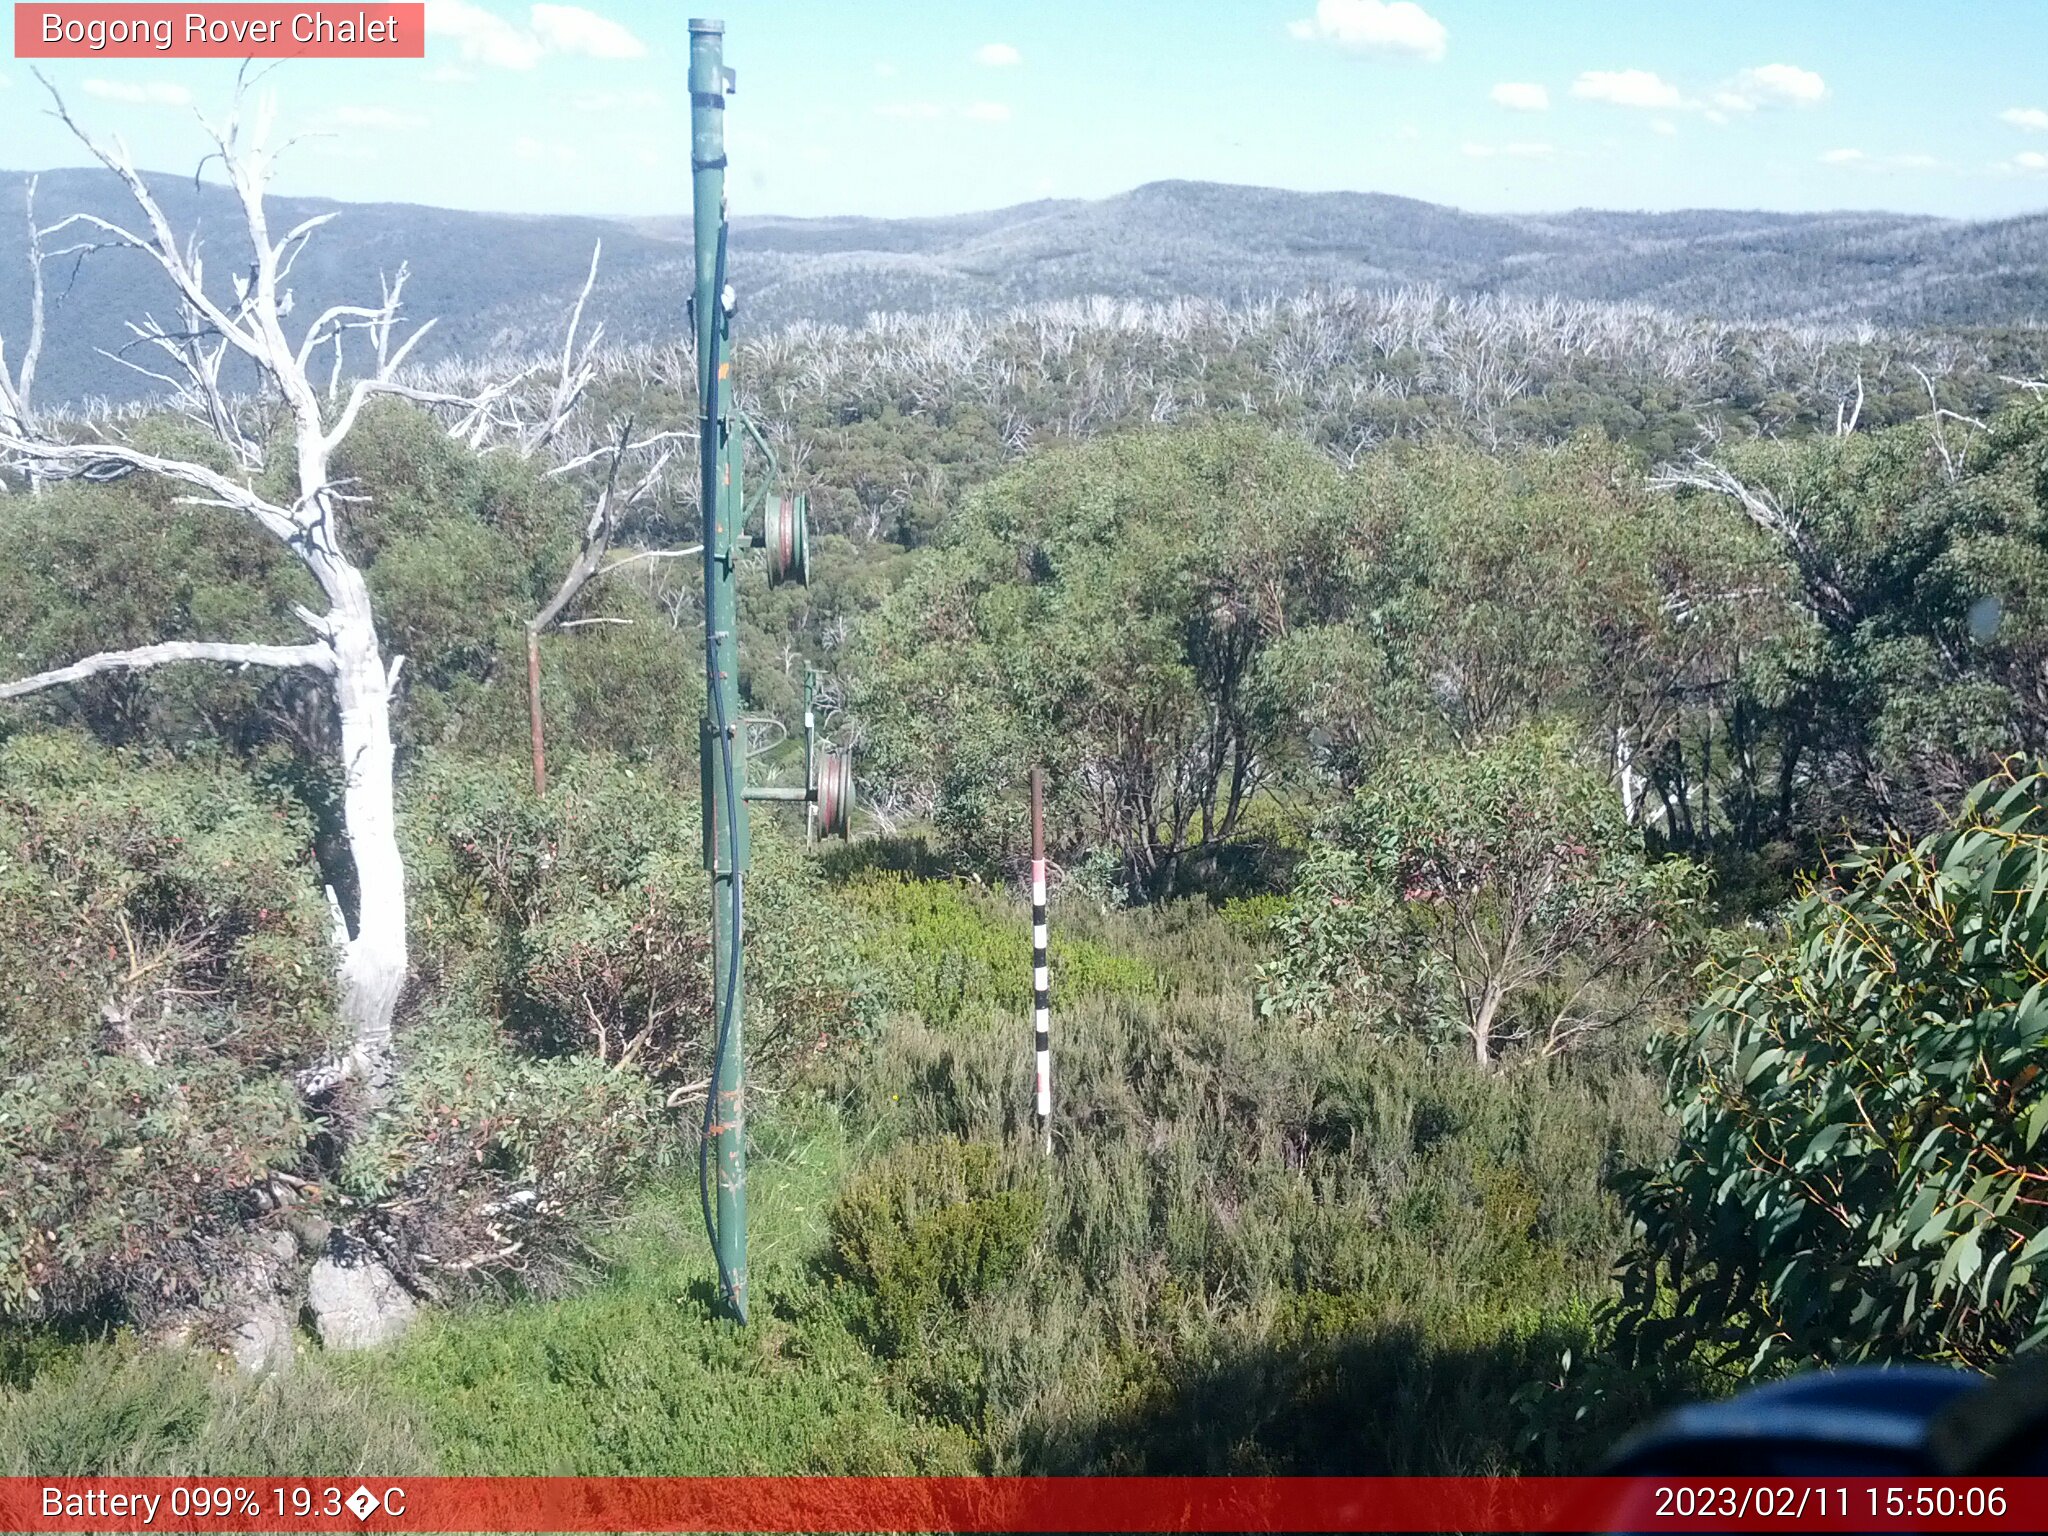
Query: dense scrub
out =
(1248, 1239)
(1390, 805)
(1496, 899)
(161, 936)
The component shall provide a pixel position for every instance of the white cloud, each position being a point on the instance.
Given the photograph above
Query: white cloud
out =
(885, 70)
(1881, 165)
(2033, 119)
(375, 117)
(617, 101)
(1777, 85)
(448, 74)
(1374, 26)
(2030, 160)
(932, 111)
(487, 38)
(527, 148)
(483, 37)
(1767, 85)
(1664, 126)
(997, 55)
(1520, 96)
(157, 93)
(1628, 88)
(1511, 151)
(571, 29)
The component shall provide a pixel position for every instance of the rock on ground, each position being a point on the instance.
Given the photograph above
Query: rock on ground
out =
(356, 1302)
(261, 1338)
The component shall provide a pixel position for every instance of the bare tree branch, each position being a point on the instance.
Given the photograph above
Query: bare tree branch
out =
(111, 461)
(1951, 462)
(597, 538)
(650, 554)
(15, 392)
(576, 371)
(168, 653)
(1817, 569)
(1846, 417)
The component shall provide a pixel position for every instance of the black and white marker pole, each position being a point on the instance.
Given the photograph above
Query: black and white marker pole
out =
(1041, 970)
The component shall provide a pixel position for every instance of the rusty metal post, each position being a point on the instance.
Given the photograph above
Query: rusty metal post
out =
(534, 726)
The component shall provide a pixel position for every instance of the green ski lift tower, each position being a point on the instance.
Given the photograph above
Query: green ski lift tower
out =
(828, 773)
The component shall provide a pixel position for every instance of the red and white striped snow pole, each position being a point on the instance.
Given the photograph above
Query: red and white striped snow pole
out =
(1041, 970)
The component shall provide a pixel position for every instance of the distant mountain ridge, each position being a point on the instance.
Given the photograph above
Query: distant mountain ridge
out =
(501, 282)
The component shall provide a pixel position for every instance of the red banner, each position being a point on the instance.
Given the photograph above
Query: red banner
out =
(374, 30)
(1000, 1504)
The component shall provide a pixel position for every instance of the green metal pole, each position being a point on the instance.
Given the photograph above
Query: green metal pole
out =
(723, 756)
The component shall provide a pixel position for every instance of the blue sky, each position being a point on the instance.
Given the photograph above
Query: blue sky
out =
(869, 106)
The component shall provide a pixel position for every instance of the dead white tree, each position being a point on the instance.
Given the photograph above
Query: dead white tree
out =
(1846, 415)
(17, 387)
(590, 562)
(247, 322)
(1818, 567)
(1938, 415)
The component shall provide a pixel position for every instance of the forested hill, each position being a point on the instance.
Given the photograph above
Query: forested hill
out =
(501, 282)
(1200, 238)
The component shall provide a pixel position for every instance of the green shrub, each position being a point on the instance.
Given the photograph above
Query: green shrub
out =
(1255, 920)
(112, 1409)
(587, 917)
(164, 968)
(948, 955)
(639, 1374)
(932, 1225)
(563, 1057)
(492, 1165)
(1860, 1105)
(1491, 897)
(1256, 1229)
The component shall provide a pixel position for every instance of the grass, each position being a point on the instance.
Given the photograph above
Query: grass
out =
(637, 1375)
(112, 1409)
(952, 954)
(1258, 1247)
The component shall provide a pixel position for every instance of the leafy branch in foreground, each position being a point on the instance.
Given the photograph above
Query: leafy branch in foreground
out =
(1860, 1107)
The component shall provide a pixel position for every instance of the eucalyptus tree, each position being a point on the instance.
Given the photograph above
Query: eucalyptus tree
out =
(1104, 610)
